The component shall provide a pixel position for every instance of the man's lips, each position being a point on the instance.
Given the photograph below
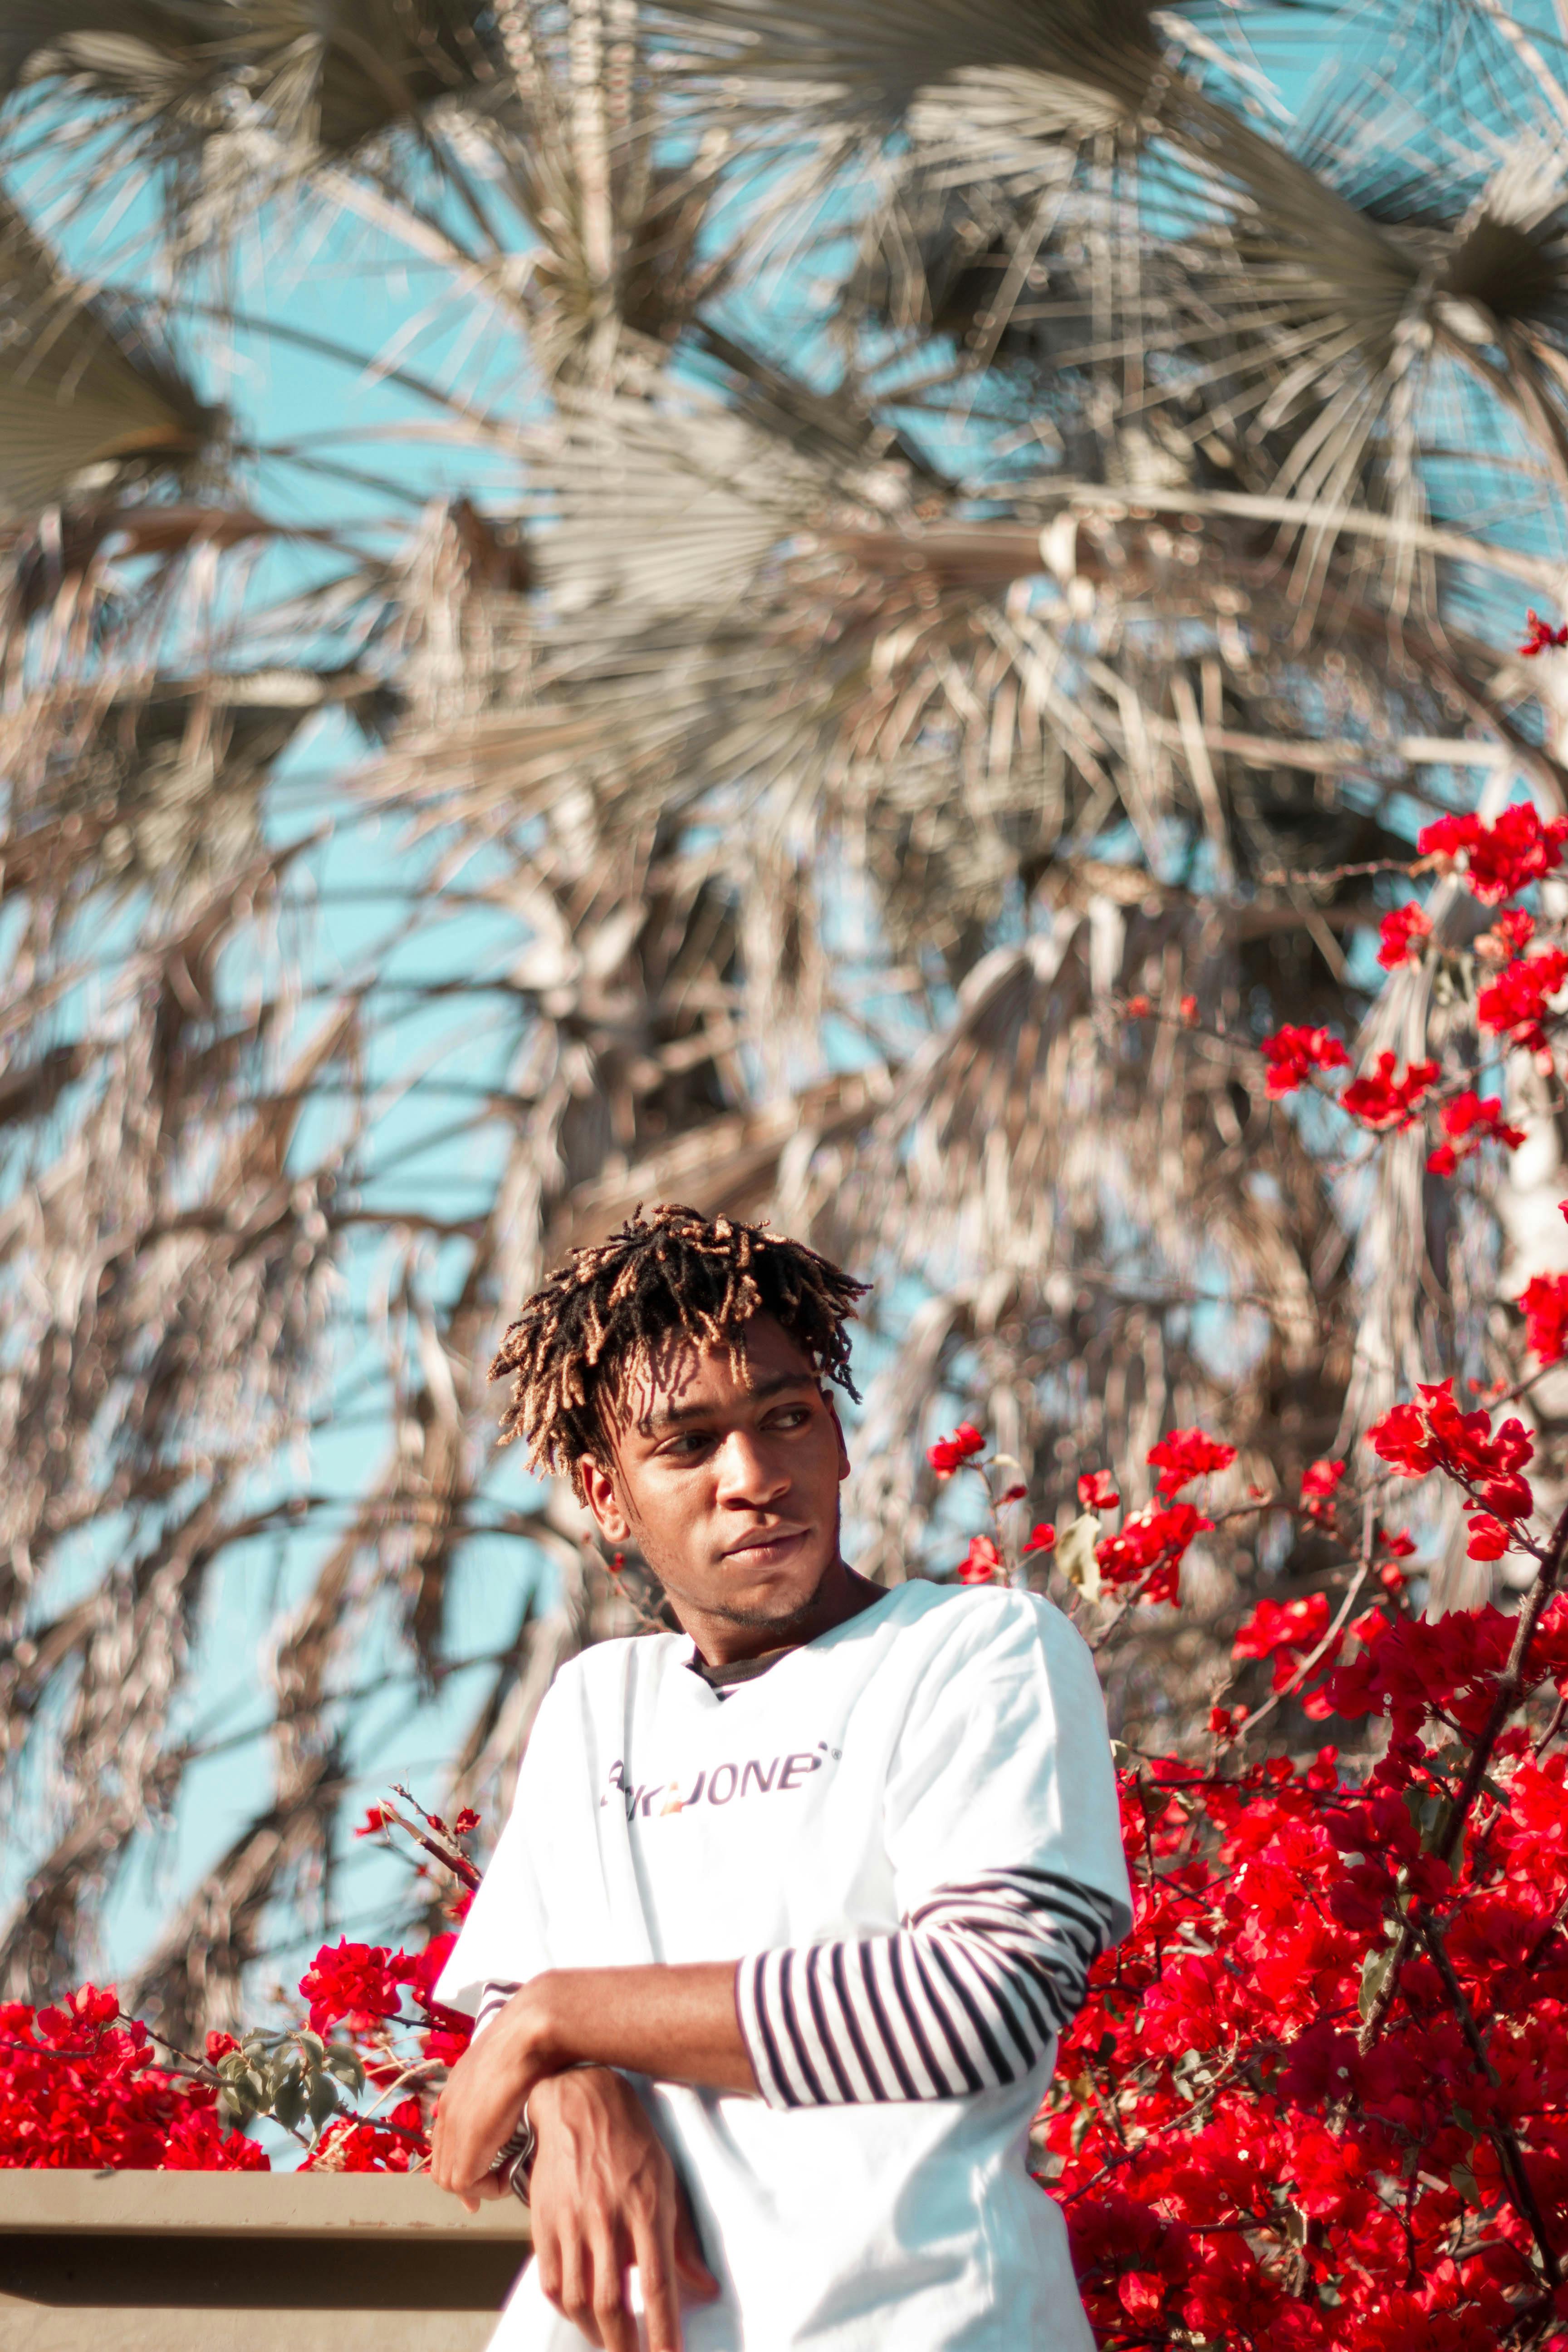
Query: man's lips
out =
(766, 1546)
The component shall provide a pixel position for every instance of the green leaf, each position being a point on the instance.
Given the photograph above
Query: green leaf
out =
(324, 2100)
(289, 2101)
(346, 2065)
(1374, 1976)
(1429, 1811)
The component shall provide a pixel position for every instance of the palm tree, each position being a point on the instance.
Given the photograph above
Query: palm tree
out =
(1003, 511)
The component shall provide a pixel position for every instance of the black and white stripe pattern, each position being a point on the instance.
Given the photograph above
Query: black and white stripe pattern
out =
(967, 1997)
(494, 1996)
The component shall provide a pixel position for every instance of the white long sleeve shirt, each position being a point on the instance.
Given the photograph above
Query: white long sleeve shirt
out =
(907, 1833)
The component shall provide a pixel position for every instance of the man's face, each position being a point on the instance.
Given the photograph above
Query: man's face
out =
(727, 1480)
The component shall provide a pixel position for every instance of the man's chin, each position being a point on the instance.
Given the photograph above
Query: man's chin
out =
(765, 1605)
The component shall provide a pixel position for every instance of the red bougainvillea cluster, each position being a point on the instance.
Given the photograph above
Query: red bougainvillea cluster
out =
(1511, 986)
(80, 2086)
(1320, 2097)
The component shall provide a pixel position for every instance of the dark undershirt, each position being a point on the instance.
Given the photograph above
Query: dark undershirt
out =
(724, 1679)
(744, 1670)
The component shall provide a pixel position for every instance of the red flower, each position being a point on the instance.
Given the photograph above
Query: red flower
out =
(1041, 1538)
(1545, 1304)
(1435, 1436)
(376, 1818)
(466, 1820)
(1540, 636)
(360, 1983)
(1404, 931)
(1291, 1053)
(1320, 1491)
(1385, 1102)
(198, 2142)
(1514, 1005)
(1502, 858)
(419, 1970)
(349, 2146)
(980, 1563)
(1097, 1491)
(1467, 1120)
(1185, 1454)
(1138, 1008)
(1489, 1538)
(1285, 1631)
(1189, 1010)
(1509, 936)
(1148, 1550)
(218, 2045)
(950, 1453)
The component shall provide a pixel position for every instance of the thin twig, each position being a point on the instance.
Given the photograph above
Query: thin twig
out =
(1502, 2136)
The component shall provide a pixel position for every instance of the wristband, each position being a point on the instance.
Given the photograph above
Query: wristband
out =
(514, 2161)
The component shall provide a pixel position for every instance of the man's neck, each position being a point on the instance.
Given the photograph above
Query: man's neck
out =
(720, 1642)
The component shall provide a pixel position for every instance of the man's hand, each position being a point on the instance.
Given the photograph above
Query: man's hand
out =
(604, 2197)
(486, 2093)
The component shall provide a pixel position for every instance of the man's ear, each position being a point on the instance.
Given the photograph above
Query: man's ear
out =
(838, 1432)
(602, 1498)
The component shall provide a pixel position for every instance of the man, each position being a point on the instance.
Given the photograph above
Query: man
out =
(773, 1954)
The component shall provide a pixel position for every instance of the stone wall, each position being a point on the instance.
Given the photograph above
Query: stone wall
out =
(173, 2262)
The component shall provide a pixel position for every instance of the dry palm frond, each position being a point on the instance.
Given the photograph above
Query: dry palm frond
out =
(159, 789)
(1320, 329)
(89, 402)
(236, 1290)
(329, 76)
(113, 45)
(619, 271)
(336, 75)
(1082, 67)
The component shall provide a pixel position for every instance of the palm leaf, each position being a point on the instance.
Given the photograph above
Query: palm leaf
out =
(88, 402)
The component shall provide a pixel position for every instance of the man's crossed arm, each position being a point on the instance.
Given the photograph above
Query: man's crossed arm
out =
(676, 2024)
(965, 1996)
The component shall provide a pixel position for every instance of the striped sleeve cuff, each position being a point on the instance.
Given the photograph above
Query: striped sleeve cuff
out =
(969, 1995)
(494, 1995)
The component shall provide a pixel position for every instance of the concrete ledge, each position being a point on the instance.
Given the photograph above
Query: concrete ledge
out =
(170, 2261)
(267, 2204)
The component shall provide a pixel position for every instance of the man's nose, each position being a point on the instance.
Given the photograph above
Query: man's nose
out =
(747, 1477)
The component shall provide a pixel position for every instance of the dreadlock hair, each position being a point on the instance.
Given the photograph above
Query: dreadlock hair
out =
(662, 1283)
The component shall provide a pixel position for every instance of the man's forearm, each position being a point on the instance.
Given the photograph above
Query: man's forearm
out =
(675, 2023)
